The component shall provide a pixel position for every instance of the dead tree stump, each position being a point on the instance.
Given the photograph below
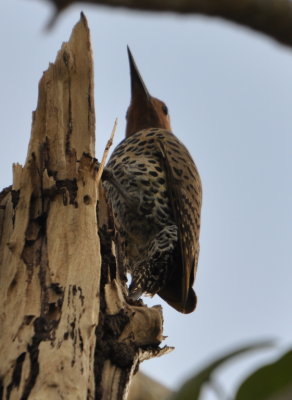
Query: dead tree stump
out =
(66, 330)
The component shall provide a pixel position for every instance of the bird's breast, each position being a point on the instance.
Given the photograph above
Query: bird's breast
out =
(144, 207)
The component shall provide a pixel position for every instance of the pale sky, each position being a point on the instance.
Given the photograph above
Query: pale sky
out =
(229, 92)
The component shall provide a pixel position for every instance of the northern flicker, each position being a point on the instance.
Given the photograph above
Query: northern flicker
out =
(155, 193)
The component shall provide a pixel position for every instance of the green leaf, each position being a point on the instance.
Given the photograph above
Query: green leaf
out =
(191, 389)
(271, 382)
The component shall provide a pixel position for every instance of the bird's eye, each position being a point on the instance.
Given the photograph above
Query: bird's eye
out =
(165, 109)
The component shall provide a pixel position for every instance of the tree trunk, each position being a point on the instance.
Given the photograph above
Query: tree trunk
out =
(66, 330)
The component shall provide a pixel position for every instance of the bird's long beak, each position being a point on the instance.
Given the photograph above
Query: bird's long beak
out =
(138, 87)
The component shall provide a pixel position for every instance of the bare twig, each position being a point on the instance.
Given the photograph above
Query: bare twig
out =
(270, 17)
(106, 151)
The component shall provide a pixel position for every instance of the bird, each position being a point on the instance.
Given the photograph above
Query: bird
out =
(155, 192)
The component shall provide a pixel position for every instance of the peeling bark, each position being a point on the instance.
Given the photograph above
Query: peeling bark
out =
(67, 331)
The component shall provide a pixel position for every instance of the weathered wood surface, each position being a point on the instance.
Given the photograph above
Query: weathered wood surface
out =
(49, 244)
(66, 331)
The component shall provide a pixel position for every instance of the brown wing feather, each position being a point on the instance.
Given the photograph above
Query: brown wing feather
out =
(184, 187)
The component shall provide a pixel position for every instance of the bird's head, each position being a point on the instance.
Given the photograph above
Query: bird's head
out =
(144, 111)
